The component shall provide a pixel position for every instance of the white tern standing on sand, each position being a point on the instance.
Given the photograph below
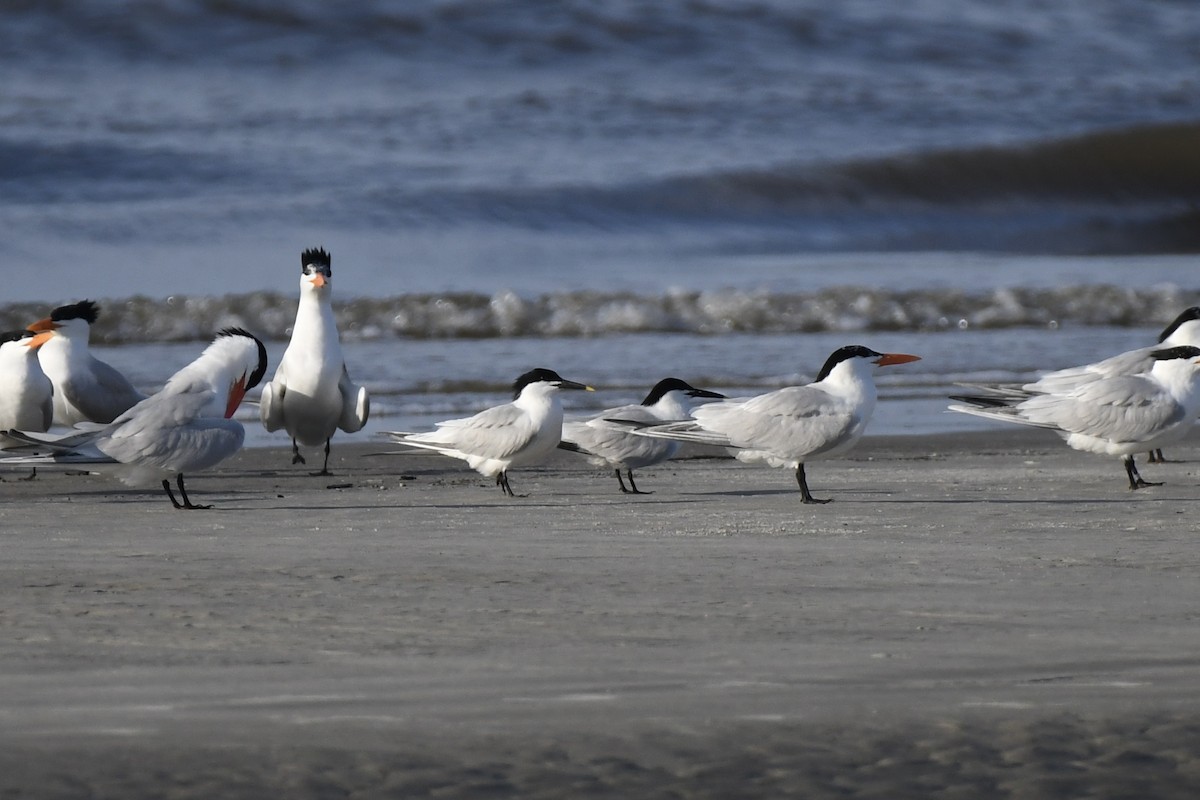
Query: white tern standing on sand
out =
(26, 394)
(311, 394)
(519, 433)
(791, 426)
(608, 443)
(1120, 415)
(187, 426)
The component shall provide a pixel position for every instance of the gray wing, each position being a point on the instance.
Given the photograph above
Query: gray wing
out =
(1123, 409)
(102, 394)
(1131, 362)
(356, 404)
(798, 419)
(499, 432)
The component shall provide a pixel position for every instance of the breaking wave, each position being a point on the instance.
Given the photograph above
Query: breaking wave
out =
(593, 313)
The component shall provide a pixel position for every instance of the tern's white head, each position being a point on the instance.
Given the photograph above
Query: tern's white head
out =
(1177, 365)
(672, 397)
(316, 271)
(1185, 329)
(855, 359)
(22, 344)
(544, 382)
(234, 363)
(72, 322)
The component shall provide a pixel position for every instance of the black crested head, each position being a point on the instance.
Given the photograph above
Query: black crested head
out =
(14, 336)
(533, 376)
(85, 310)
(1188, 315)
(667, 385)
(842, 354)
(1182, 351)
(318, 259)
(259, 371)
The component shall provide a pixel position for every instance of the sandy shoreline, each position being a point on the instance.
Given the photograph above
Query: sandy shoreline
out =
(985, 615)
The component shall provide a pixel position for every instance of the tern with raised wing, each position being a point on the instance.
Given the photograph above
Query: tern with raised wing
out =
(1119, 415)
(311, 395)
(185, 427)
(797, 424)
(523, 432)
(606, 439)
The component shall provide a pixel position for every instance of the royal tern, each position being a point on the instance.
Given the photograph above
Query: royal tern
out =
(791, 426)
(187, 426)
(612, 444)
(519, 433)
(85, 388)
(311, 395)
(1118, 415)
(26, 394)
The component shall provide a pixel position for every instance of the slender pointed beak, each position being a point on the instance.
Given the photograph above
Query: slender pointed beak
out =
(565, 384)
(888, 359)
(706, 393)
(236, 393)
(46, 324)
(40, 339)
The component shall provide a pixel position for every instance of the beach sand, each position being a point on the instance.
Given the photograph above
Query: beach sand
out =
(986, 615)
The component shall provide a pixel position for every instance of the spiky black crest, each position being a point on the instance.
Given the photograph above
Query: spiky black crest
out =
(1188, 315)
(533, 376)
(85, 310)
(255, 377)
(1183, 351)
(14, 336)
(666, 385)
(844, 353)
(316, 257)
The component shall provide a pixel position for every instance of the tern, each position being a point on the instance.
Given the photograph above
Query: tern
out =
(519, 433)
(1183, 330)
(797, 424)
(26, 394)
(610, 443)
(187, 426)
(1119, 415)
(85, 388)
(311, 394)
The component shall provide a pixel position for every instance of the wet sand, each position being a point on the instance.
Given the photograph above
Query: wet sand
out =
(974, 616)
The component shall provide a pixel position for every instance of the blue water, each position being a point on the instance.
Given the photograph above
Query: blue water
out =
(579, 182)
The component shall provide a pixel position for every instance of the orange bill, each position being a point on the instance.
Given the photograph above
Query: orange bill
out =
(46, 324)
(887, 359)
(40, 339)
(236, 393)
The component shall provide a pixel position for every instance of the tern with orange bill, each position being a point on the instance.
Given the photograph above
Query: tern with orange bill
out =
(185, 427)
(85, 388)
(311, 395)
(797, 424)
(26, 394)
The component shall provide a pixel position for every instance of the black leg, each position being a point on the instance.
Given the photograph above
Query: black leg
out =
(296, 457)
(805, 495)
(632, 485)
(1136, 481)
(187, 503)
(30, 476)
(502, 482)
(325, 466)
(170, 494)
(621, 482)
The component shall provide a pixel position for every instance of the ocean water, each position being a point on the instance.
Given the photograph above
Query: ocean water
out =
(620, 190)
